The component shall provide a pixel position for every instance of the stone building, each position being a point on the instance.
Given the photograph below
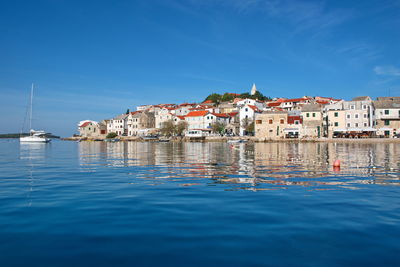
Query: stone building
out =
(387, 114)
(271, 125)
(140, 123)
(312, 120)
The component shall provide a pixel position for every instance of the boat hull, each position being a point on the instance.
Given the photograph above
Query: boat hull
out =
(34, 139)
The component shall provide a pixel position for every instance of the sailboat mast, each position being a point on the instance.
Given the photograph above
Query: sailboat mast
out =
(30, 113)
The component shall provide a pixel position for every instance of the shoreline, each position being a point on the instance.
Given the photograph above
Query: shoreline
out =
(250, 139)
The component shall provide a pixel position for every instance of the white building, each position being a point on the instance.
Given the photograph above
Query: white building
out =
(247, 114)
(359, 113)
(118, 125)
(163, 115)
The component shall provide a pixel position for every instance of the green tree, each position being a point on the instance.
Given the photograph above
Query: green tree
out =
(127, 111)
(215, 98)
(180, 128)
(111, 135)
(227, 97)
(250, 128)
(168, 128)
(218, 127)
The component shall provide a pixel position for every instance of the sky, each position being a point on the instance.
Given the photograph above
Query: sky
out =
(95, 59)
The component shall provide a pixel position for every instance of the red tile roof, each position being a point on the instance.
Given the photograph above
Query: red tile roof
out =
(85, 124)
(295, 100)
(181, 117)
(198, 113)
(187, 104)
(254, 108)
(221, 115)
(232, 114)
(274, 104)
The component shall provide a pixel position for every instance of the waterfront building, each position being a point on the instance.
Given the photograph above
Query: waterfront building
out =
(247, 114)
(334, 119)
(359, 114)
(387, 112)
(233, 126)
(88, 128)
(163, 115)
(198, 119)
(140, 123)
(312, 120)
(118, 125)
(294, 127)
(270, 125)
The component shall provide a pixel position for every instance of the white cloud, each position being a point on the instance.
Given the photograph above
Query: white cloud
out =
(387, 70)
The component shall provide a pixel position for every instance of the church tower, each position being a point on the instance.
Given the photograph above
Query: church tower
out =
(253, 89)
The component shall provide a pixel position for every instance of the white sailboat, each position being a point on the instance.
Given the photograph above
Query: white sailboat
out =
(34, 136)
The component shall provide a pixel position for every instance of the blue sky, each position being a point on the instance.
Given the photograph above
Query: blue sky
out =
(95, 59)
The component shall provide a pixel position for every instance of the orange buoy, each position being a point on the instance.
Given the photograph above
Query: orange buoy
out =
(336, 163)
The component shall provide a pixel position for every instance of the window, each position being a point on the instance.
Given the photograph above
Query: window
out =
(258, 121)
(296, 122)
(308, 114)
(356, 124)
(336, 124)
(356, 116)
(313, 115)
(336, 114)
(365, 124)
(348, 125)
(386, 112)
(352, 107)
(387, 122)
(365, 115)
(364, 106)
(246, 109)
(348, 116)
(282, 121)
(270, 121)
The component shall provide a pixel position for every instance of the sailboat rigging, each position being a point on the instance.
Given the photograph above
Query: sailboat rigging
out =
(34, 136)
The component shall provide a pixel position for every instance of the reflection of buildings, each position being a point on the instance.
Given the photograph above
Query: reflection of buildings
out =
(248, 165)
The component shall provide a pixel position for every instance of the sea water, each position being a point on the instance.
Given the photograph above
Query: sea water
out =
(199, 204)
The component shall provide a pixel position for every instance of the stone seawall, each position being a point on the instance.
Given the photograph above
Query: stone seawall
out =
(247, 138)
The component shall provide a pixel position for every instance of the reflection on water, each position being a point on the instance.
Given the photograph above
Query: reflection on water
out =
(33, 154)
(259, 166)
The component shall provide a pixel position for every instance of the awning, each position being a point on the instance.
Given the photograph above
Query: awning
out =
(385, 129)
(340, 130)
(354, 130)
(291, 130)
(369, 129)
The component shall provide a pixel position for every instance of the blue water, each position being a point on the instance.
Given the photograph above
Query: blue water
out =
(199, 204)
